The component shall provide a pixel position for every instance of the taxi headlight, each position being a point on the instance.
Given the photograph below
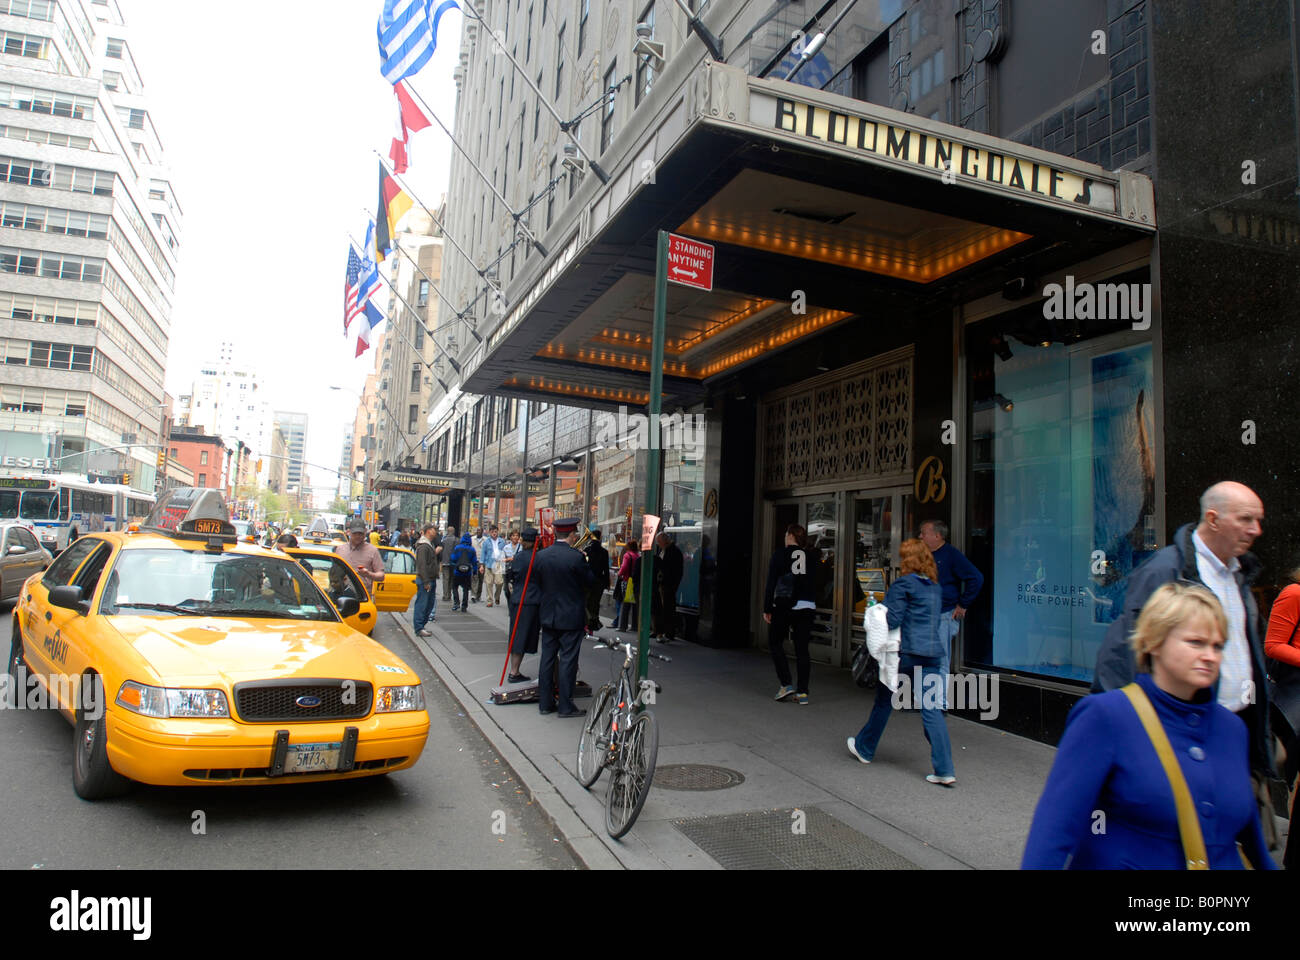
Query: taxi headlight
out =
(397, 699)
(197, 703)
(164, 702)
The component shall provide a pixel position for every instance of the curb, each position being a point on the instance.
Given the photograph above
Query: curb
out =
(586, 846)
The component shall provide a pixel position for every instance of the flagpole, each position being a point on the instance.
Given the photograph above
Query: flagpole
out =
(450, 359)
(483, 176)
(564, 124)
(460, 314)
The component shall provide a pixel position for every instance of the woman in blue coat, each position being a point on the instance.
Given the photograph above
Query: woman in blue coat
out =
(912, 605)
(1108, 803)
(464, 563)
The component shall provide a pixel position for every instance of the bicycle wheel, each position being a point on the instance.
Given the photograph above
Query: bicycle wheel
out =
(593, 742)
(629, 782)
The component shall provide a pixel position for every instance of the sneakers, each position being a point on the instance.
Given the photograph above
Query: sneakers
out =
(943, 781)
(853, 749)
(784, 692)
(801, 699)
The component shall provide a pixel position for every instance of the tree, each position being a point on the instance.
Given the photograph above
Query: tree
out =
(339, 505)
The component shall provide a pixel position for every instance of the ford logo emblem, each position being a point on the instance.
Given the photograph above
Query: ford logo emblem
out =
(308, 702)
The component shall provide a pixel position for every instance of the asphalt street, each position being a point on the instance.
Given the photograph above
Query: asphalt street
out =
(447, 812)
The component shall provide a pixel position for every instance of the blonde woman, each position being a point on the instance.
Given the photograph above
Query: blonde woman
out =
(912, 605)
(1108, 803)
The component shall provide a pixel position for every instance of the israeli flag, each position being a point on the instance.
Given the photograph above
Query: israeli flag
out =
(408, 35)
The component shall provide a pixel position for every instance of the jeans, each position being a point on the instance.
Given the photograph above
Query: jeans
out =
(799, 624)
(460, 592)
(948, 628)
(932, 720)
(426, 602)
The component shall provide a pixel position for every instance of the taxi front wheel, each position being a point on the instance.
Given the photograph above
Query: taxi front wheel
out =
(92, 776)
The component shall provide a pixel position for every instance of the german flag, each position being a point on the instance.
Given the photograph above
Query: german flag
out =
(393, 204)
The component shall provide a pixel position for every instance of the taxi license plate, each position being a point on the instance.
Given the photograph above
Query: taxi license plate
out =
(312, 758)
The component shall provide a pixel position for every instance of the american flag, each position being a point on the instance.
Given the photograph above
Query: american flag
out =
(352, 304)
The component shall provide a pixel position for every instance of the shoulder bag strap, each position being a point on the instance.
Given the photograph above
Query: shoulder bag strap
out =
(1189, 827)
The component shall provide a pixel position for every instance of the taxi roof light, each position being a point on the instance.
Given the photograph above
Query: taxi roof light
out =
(192, 513)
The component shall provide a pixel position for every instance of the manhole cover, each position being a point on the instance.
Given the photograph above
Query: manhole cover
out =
(696, 776)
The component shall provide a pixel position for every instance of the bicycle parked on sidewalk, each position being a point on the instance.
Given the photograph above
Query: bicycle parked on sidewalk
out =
(621, 734)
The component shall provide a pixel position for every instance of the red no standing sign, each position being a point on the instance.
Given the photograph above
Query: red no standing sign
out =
(690, 262)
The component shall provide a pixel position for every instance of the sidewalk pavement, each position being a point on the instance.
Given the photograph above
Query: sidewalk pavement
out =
(717, 708)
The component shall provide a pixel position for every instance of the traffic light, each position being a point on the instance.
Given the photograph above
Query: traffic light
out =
(259, 465)
(126, 479)
(162, 459)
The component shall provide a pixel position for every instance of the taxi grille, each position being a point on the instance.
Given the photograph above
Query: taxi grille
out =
(272, 701)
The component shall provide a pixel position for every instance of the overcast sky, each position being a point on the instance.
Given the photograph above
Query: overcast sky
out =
(270, 113)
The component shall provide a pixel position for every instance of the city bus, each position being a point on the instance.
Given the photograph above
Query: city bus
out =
(59, 507)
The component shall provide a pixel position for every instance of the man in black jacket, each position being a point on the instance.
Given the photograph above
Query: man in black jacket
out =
(563, 575)
(1216, 554)
(668, 577)
(426, 579)
(525, 623)
(598, 561)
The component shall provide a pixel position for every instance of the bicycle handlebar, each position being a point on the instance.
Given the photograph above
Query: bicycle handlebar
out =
(611, 645)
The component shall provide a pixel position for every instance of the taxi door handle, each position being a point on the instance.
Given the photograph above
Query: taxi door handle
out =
(48, 616)
(364, 616)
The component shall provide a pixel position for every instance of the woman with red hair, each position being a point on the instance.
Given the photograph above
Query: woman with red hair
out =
(912, 605)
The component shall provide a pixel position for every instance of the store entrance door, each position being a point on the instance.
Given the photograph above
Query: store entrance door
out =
(855, 538)
(882, 519)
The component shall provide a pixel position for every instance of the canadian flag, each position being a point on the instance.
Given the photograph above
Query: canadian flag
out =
(410, 118)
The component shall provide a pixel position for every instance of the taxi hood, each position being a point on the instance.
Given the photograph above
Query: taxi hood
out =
(206, 651)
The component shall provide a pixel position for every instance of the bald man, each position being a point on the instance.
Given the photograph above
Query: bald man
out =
(1215, 553)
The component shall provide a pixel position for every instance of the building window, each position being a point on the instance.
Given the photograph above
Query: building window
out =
(112, 80)
(1062, 476)
(519, 164)
(528, 38)
(203, 458)
(550, 194)
(537, 108)
(584, 8)
(418, 338)
(607, 118)
(544, 4)
(114, 49)
(415, 377)
(559, 66)
(412, 417)
(203, 479)
(422, 298)
(645, 74)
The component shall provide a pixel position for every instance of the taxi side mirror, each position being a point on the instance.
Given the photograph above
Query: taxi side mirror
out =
(69, 598)
(16, 548)
(348, 607)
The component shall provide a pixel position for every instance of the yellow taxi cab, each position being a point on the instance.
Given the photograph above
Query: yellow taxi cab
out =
(318, 534)
(396, 591)
(337, 579)
(184, 657)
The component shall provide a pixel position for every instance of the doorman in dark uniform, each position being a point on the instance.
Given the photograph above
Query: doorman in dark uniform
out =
(525, 613)
(562, 572)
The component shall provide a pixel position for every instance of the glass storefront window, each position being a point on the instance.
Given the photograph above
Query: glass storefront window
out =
(1062, 499)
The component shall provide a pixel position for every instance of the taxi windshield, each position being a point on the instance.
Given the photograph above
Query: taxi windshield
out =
(197, 583)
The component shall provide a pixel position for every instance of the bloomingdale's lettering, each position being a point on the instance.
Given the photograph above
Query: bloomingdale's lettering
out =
(926, 150)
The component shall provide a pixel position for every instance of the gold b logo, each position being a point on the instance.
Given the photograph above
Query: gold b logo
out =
(935, 487)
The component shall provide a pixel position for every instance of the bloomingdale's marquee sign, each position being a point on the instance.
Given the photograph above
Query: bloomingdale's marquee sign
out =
(953, 160)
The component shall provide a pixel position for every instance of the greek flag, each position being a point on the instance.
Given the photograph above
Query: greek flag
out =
(408, 34)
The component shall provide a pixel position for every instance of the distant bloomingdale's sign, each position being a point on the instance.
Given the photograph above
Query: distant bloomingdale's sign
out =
(962, 162)
(33, 463)
(431, 483)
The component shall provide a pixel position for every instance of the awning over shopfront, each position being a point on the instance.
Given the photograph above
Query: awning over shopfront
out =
(412, 480)
(821, 208)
